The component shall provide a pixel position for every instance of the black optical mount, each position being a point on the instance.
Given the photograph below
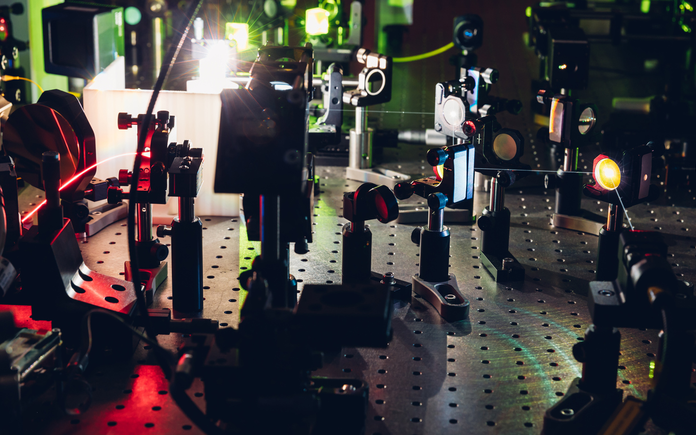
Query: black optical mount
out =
(151, 188)
(572, 127)
(186, 231)
(434, 283)
(498, 156)
(368, 202)
(494, 223)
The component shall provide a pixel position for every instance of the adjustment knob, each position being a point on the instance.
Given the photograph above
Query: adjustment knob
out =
(163, 116)
(485, 223)
(403, 190)
(125, 121)
(437, 201)
(416, 235)
(469, 83)
(159, 252)
(490, 75)
(164, 230)
(113, 181)
(114, 195)
(436, 156)
(543, 95)
(124, 177)
(486, 110)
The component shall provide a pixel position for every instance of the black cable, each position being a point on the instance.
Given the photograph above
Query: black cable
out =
(86, 344)
(79, 361)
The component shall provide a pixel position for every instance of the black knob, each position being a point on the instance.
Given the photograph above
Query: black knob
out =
(164, 230)
(159, 252)
(469, 83)
(485, 223)
(437, 156)
(403, 190)
(125, 120)
(416, 235)
(114, 195)
(437, 201)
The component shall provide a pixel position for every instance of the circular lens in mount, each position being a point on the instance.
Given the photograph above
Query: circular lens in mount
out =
(505, 147)
(453, 111)
(607, 174)
(587, 120)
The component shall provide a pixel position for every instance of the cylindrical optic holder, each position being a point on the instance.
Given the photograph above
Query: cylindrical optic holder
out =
(495, 223)
(186, 232)
(607, 255)
(357, 253)
(569, 186)
(360, 143)
(187, 262)
(434, 242)
(599, 355)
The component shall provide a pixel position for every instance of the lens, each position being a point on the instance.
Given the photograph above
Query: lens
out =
(556, 124)
(607, 174)
(587, 120)
(505, 147)
(453, 111)
(375, 82)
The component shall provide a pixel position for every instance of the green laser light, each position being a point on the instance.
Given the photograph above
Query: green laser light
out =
(317, 21)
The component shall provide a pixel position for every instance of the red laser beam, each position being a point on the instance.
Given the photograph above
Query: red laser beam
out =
(72, 180)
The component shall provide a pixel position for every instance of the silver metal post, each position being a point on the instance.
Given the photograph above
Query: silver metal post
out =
(436, 220)
(614, 218)
(360, 119)
(186, 209)
(360, 143)
(569, 159)
(497, 195)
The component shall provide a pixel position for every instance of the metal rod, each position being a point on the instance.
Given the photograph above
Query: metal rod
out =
(51, 178)
(187, 211)
(270, 227)
(497, 202)
(316, 82)
(570, 159)
(360, 119)
(436, 219)
(144, 222)
(614, 218)
(359, 145)
(357, 226)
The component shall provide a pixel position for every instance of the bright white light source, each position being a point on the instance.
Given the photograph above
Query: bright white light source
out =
(214, 65)
(238, 32)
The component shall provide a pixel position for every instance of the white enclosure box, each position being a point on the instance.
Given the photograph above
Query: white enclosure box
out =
(197, 119)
